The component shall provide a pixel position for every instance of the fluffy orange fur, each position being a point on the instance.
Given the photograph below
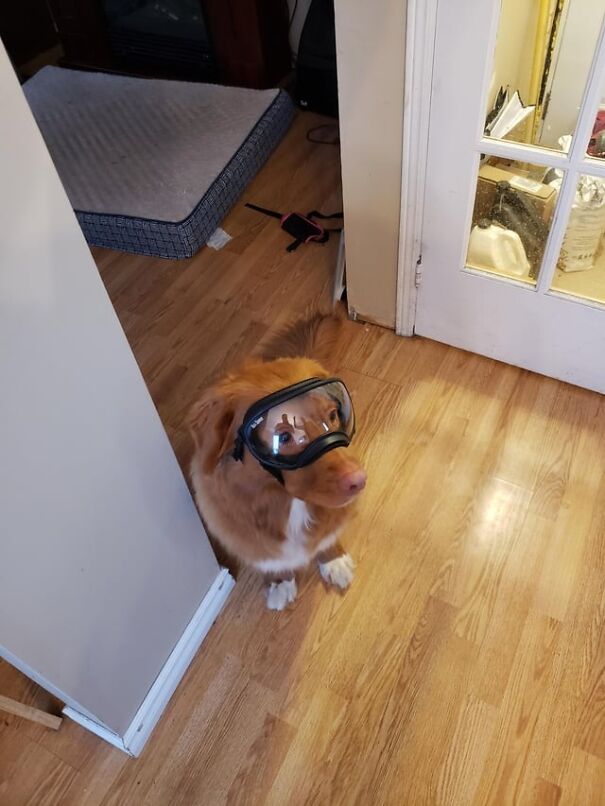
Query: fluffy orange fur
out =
(244, 507)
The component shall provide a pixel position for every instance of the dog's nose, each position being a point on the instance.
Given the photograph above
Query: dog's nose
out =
(354, 482)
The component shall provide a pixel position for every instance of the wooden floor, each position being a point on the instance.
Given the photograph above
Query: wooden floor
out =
(467, 662)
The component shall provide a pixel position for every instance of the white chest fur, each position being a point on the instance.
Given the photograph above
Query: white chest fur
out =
(295, 551)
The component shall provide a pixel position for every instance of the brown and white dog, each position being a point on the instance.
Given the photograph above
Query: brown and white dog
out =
(272, 527)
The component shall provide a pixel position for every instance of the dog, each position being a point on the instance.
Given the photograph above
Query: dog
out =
(272, 472)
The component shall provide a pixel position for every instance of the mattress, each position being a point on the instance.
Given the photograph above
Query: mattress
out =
(153, 166)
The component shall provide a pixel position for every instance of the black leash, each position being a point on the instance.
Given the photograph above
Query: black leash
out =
(303, 228)
(264, 210)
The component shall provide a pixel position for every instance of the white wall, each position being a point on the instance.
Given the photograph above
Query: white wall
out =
(370, 43)
(513, 59)
(103, 559)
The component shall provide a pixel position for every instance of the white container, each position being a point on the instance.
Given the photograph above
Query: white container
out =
(493, 247)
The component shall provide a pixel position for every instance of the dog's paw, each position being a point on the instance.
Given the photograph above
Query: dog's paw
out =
(339, 572)
(281, 594)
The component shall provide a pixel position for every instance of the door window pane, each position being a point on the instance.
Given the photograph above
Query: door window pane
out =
(580, 270)
(544, 50)
(512, 214)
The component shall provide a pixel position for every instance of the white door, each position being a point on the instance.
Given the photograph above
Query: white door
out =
(529, 288)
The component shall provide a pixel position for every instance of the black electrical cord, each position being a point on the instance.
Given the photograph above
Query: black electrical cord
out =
(335, 141)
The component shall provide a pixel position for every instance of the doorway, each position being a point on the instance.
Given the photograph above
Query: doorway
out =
(512, 262)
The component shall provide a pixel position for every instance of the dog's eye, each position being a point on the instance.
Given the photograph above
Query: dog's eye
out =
(285, 437)
(333, 416)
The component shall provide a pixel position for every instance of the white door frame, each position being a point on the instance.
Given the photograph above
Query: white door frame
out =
(419, 55)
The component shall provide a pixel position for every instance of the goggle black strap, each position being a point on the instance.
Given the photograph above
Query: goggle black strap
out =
(277, 474)
(238, 448)
(238, 455)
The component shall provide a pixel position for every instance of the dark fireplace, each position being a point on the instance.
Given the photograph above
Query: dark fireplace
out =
(170, 35)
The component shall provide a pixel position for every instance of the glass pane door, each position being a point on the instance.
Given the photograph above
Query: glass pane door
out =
(512, 261)
(544, 131)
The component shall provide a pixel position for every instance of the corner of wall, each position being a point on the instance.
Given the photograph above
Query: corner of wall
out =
(370, 44)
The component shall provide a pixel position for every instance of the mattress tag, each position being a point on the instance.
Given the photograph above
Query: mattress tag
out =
(218, 239)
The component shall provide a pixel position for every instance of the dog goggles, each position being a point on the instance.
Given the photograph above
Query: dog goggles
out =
(293, 427)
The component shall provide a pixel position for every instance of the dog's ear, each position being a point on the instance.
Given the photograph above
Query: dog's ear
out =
(213, 427)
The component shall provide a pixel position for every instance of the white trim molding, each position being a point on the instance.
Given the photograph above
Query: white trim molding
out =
(419, 54)
(339, 273)
(135, 737)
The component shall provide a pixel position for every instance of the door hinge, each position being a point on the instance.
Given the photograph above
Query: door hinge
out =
(418, 274)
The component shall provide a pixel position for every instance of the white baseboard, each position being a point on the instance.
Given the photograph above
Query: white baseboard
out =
(95, 727)
(134, 739)
(339, 283)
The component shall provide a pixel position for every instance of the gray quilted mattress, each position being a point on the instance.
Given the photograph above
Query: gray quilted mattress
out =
(153, 166)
